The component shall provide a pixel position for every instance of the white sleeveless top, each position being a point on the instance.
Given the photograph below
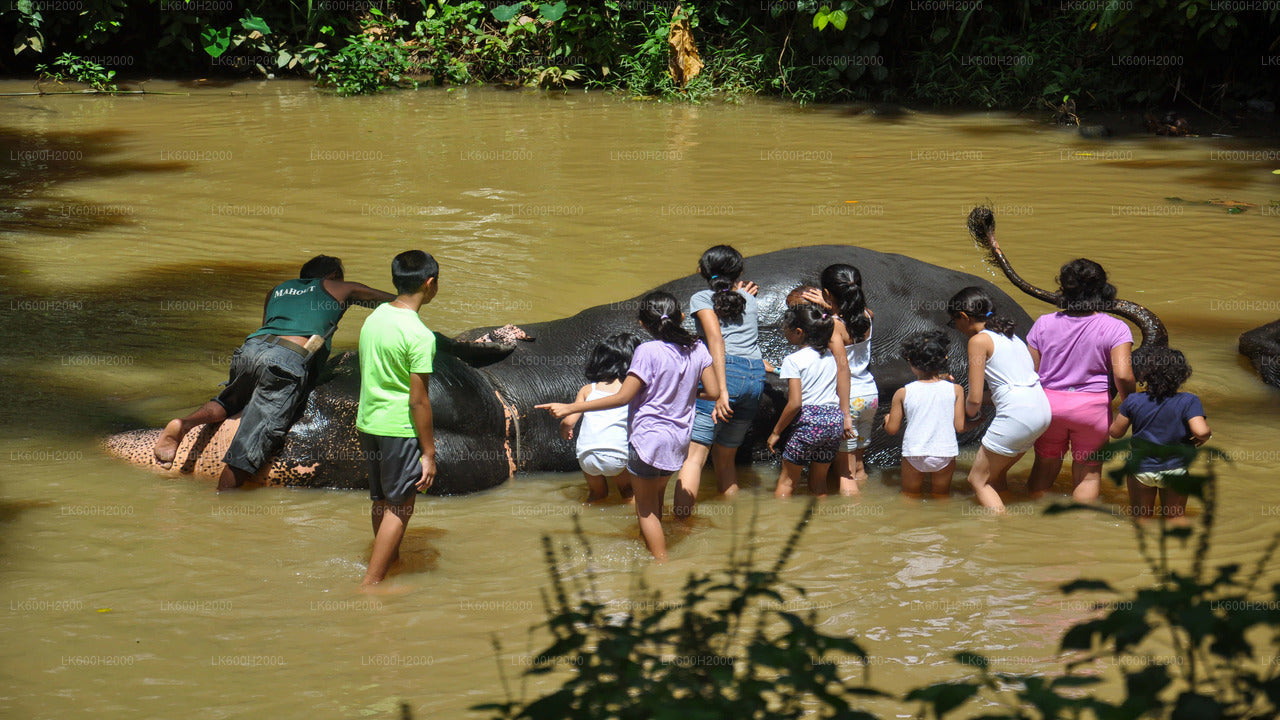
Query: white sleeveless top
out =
(860, 381)
(1010, 365)
(603, 429)
(930, 409)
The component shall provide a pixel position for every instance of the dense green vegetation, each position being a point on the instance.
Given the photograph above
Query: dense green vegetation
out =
(1196, 643)
(953, 52)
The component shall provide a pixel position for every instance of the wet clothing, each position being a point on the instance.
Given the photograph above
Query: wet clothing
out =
(266, 385)
(815, 437)
(1075, 350)
(745, 380)
(661, 414)
(1022, 410)
(930, 412)
(302, 308)
(395, 466)
(602, 438)
(740, 339)
(1163, 422)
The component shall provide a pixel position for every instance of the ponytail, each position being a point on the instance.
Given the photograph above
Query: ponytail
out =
(660, 314)
(816, 324)
(844, 284)
(974, 302)
(721, 266)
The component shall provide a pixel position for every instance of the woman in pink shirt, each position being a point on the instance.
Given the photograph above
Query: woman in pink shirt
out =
(1080, 353)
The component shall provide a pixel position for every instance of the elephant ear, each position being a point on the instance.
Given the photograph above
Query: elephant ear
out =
(475, 354)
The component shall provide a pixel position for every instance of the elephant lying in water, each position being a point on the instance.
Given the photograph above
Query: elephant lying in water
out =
(483, 397)
(1262, 347)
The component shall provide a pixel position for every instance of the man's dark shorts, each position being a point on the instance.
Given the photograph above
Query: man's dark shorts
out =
(395, 466)
(267, 386)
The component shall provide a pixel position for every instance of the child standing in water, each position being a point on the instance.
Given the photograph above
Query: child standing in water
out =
(602, 439)
(726, 317)
(811, 379)
(933, 408)
(1161, 416)
(1000, 360)
(661, 387)
(842, 294)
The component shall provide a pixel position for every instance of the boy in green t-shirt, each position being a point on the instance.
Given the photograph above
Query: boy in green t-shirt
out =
(394, 420)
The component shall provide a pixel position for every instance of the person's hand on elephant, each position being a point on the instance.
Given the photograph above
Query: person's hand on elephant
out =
(428, 474)
(724, 409)
(747, 286)
(814, 296)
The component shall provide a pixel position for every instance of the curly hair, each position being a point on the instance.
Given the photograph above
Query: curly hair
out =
(927, 352)
(1162, 369)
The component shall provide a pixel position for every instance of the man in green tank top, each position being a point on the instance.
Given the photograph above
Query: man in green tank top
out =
(271, 371)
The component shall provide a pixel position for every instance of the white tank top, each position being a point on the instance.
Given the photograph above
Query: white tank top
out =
(930, 410)
(860, 381)
(603, 429)
(1010, 365)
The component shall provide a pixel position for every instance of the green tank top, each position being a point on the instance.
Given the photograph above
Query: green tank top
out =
(300, 307)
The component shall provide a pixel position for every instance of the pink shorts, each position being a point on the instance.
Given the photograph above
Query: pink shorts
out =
(1081, 420)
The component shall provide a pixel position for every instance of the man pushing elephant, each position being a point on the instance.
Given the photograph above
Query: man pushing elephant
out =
(272, 370)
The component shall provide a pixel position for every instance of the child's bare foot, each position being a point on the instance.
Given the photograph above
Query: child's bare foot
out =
(166, 448)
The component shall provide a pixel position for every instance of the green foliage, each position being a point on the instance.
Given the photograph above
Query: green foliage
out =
(726, 649)
(72, 68)
(372, 61)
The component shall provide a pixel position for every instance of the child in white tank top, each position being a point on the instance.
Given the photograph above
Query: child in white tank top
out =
(602, 438)
(933, 408)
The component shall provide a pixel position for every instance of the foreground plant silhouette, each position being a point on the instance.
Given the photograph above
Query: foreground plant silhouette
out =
(728, 648)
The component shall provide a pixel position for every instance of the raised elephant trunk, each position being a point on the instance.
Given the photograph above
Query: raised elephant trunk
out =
(982, 225)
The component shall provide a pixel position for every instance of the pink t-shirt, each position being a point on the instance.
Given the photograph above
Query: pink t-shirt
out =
(1075, 351)
(662, 413)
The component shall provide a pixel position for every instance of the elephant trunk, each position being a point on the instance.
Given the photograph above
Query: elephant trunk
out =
(982, 226)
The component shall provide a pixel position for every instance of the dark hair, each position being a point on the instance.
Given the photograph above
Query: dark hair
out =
(816, 324)
(610, 359)
(974, 302)
(411, 268)
(321, 266)
(1161, 368)
(844, 282)
(796, 296)
(927, 352)
(660, 314)
(721, 266)
(1084, 287)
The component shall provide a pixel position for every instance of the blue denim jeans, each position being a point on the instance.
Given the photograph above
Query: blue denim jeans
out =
(745, 378)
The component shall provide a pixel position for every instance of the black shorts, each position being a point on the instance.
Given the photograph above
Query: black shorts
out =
(266, 386)
(395, 466)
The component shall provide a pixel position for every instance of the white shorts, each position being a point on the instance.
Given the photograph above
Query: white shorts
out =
(1022, 416)
(603, 462)
(929, 463)
(862, 410)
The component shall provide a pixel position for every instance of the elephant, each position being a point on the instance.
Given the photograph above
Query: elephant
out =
(483, 395)
(1262, 347)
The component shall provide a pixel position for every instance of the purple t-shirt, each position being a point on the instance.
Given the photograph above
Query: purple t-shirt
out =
(1162, 423)
(1075, 351)
(661, 421)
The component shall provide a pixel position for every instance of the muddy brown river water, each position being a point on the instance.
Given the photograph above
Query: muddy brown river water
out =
(139, 235)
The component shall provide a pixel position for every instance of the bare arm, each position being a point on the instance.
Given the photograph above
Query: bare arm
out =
(1122, 370)
(959, 425)
(1200, 432)
(1119, 426)
(710, 323)
(893, 422)
(980, 348)
(708, 390)
(839, 339)
(571, 420)
(1035, 356)
(420, 412)
(789, 412)
(354, 293)
(630, 388)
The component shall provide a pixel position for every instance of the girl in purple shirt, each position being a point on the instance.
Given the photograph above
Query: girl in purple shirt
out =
(1079, 353)
(660, 388)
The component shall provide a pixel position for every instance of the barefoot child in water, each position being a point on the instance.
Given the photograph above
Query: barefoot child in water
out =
(811, 380)
(602, 439)
(661, 387)
(933, 408)
(1161, 416)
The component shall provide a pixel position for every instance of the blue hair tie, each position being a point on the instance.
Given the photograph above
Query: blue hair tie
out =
(713, 277)
(990, 313)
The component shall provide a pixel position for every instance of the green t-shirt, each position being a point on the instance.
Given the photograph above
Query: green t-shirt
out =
(393, 343)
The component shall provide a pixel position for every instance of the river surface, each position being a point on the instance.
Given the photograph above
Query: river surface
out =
(139, 234)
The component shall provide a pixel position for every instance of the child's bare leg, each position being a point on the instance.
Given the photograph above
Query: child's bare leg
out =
(386, 543)
(649, 495)
(988, 466)
(787, 479)
(940, 482)
(1172, 505)
(859, 465)
(1086, 477)
(623, 480)
(689, 480)
(597, 487)
(846, 468)
(723, 459)
(818, 478)
(912, 479)
(1142, 499)
(375, 514)
(171, 436)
